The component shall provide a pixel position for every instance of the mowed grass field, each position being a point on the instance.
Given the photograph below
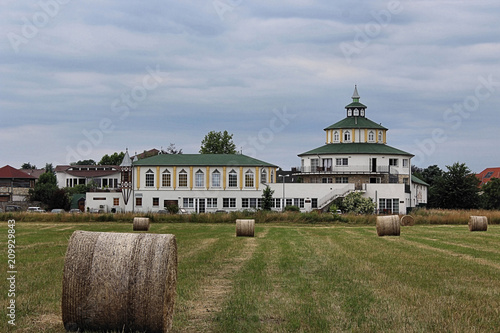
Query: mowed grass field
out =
(289, 278)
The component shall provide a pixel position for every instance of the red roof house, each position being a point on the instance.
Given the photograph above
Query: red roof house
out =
(14, 184)
(488, 174)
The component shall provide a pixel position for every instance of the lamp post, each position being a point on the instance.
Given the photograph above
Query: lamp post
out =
(284, 203)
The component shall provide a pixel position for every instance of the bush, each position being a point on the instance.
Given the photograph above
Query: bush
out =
(173, 208)
(292, 209)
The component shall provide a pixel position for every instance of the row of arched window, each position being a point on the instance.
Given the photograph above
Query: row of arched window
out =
(200, 178)
(347, 136)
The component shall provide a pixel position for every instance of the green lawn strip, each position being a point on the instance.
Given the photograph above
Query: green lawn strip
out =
(452, 287)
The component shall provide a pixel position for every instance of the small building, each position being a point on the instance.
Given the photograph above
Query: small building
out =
(14, 184)
(102, 177)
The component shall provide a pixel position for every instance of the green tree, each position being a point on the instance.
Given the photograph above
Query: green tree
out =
(457, 188)
(491, 194)
(267, 198)
(44, 188)
(59, 199)
(84, 162)
(218, 143)
(355, 203)
(114, 159)
(27, 166)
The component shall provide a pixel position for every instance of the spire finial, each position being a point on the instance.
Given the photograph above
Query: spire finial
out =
(355, 95)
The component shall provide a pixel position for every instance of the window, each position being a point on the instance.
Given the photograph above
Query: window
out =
(389, 205)
(347, 136)
(249, 178)
(251, 202)
(277, 203)
(327, 164)
(150, 178)
(233, 179)
(166, 179)
(116, 201)
(211, 202)
(341, 161)
(349, 112)
(336, 136)
(341, 180)
(327, 180)
(156, 202)
(272, 176)
(263, 175)
(380, 136)
(405, 163)
(371, 136)
(288, 202)
(183, 178)
(356, 112)
(314, 164)
(138, 201)
(299, 202)
(393, 162)
(314, 202)
(188, 203)
(216, 178)
(199, 179)
(229, 202)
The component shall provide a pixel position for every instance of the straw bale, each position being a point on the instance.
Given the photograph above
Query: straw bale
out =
(245, 228)
(388, 225)
(407, 220)
(141, 224)
(478, 223)
(119, 281)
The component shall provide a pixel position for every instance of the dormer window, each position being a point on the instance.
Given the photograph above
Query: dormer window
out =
(336, 136)
(380, 136)
(347, 136)
(356, 112)
(362, 113)
(349, 112)
(371, 136)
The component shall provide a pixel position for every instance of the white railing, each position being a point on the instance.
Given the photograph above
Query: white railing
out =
(343, 169)
(334, 194)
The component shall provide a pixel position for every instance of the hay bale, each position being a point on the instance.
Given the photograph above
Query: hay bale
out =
(245, 228)
(407, 220)
(141, 223)
(119, 281)
(478, 223)
(388, 225)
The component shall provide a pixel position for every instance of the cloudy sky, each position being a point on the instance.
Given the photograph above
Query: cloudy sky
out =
(80, 79)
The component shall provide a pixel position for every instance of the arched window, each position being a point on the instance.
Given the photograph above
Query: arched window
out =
(233, 179)
(371, 136)
(166, 180)
(272, 176)
(199, 179)
(150, 178)
(263, 176)
(336, 136)
(347, 136)
(380, 136)
(183, 178)
(249, 179)
(216, 178)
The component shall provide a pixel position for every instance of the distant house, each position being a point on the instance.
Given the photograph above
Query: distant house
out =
(33, 172)
(14, 184)
(488, 174)
(101, 176)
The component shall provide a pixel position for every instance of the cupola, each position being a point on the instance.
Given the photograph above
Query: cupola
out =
(355, 109)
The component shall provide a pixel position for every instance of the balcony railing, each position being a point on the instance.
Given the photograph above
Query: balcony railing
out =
(344, 169)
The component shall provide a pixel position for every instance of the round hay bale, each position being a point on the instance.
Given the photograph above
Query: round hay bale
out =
(478, 223)
(141, 223)
(407, 220)
(245, 228)
(388, 225)
(119, 281)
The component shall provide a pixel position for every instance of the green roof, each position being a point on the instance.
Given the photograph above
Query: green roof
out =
(356, 105)
(202, 160)
(356, 122)
(417, 180)
(356, 148)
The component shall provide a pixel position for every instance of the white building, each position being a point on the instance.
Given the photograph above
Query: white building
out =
(104, 177)
(355, 157)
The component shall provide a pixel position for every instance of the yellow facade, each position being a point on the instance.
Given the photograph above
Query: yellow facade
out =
(190, 178)
(208, 177)
(174, 176)
(241, 178)
(257, 178)
(224, 178)
(157, 177)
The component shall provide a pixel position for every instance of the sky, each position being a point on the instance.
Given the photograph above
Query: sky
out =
(81, 79)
